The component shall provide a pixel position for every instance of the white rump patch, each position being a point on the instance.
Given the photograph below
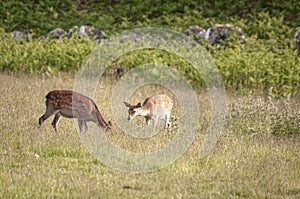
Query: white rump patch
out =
(45, 100)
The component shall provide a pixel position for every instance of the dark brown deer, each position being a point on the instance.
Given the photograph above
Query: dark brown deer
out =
(71, 104)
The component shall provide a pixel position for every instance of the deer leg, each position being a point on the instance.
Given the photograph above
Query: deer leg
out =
(148, 119)
(167, 118)
(56, 120)
(155, 121)
(80, 125)
(85, 125)
(44, 117)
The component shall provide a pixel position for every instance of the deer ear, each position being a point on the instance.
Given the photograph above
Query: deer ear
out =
(138, 105)
(127, 104)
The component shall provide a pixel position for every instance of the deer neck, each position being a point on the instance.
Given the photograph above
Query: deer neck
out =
(143, 111)
(101, 121)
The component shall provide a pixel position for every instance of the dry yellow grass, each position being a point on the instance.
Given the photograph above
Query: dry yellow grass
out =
(42, 163)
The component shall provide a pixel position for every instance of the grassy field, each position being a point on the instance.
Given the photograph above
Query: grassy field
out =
(249, 161)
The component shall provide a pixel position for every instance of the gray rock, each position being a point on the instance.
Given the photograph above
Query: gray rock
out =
(196, 32)
(87, 31)
(19, 35)
(57, 33)
(220, 32)
(297, 40)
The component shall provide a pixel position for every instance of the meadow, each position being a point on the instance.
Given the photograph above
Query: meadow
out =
(257, 154)
(252, 158)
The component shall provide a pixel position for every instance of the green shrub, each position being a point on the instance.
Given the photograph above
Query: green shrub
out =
(256, 65)
(47, 55)
(267, 61)
(115, 16)
(260, 65)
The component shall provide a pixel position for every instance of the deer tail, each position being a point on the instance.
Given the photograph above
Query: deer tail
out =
(45, 100)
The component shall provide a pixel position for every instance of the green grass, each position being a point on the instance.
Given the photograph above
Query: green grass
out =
(249, 160)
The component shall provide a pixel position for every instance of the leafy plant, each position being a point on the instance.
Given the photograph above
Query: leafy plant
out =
(45, 56)
(267, 60)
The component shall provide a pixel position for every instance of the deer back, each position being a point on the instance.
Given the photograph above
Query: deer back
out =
(69, 103)
(162, 100)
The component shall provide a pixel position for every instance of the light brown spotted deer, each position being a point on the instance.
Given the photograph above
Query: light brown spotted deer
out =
(155, 107)
(71, 104)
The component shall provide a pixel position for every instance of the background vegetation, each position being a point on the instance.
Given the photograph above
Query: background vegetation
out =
(118, 15)
(268, 59)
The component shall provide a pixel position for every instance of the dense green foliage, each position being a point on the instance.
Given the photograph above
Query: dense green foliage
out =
(267, 60)
(117, 15)
(47, 56)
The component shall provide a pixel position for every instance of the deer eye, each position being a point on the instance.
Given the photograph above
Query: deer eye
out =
(131, 112)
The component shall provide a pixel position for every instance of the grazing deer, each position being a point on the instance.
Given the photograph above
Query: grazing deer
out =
(71, 104)
(155, 107)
